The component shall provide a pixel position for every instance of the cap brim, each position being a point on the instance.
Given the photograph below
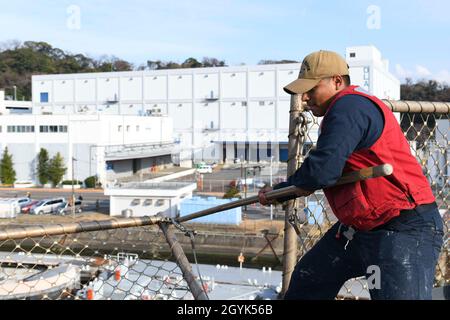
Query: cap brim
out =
(300, 86)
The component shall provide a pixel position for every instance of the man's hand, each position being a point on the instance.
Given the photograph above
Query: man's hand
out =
(262, 196)
(263, 199)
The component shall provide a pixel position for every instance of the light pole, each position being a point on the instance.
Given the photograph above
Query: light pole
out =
(271, 206)
(15, 93)
(73, 188)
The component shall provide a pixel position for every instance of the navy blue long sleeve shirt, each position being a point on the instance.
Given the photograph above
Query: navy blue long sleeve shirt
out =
(352, 124)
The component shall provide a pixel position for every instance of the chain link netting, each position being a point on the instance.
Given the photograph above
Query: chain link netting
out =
(138, 262)
(116, 264)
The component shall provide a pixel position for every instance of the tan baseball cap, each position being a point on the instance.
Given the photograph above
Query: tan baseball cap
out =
(316, 66)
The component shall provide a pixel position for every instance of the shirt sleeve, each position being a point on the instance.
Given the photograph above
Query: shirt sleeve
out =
(353, 123)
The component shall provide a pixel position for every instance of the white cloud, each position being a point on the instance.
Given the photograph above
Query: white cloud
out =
(402, 72)
(443, 76)
(422, 71)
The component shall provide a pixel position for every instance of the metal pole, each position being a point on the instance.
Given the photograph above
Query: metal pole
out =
(73, 189)
(271, 184)
(90, 161)
(363, 174)
(290, 236)
(15, 93)
(71, 228)
(183, 262)
(245, 186)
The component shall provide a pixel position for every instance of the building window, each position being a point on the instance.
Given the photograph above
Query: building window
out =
(43, 129)
(352, 54)
(262, 103)
(128, 128)
(119, 128)
(44, 97)
(53, 129)
(137, 128)
(20, 129)
(244, 103)
(160, 203)
(62, 128)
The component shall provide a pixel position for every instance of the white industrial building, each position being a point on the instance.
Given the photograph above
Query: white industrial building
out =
(218, 114)
(109, 146)
(148, 199)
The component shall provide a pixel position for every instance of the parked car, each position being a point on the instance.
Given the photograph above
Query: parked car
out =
(67, 209)
(26, 208)
(48, 206)
(23, 202)
(259, 183)
(204, 169)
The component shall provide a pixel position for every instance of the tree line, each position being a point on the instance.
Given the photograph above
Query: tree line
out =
(19, 61)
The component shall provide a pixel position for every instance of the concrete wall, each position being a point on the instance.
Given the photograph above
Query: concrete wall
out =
(24, 159)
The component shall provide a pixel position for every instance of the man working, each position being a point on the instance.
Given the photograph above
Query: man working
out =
(391, 223)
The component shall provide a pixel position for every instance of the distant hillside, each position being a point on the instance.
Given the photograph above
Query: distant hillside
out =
(18, 62)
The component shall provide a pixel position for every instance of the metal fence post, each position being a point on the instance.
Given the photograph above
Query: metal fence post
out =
(294, 151)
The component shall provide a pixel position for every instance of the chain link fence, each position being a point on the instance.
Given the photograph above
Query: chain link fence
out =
(96, 257)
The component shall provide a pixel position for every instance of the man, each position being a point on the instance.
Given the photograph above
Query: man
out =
(389, 224)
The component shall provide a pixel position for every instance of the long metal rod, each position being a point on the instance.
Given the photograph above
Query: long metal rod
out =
(98, 225)
(183, 262)
(70, 228)
(418, 106)
(363, 174)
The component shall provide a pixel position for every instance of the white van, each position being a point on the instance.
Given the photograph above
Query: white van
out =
(48, 206)
(9, 208)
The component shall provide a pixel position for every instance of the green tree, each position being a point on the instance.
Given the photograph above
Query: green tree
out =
(56, 169)
(43, 166)
(7, 173)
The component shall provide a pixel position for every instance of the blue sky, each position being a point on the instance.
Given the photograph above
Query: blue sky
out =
(414, 35)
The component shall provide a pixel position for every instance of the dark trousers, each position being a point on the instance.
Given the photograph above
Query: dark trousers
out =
(405, 250)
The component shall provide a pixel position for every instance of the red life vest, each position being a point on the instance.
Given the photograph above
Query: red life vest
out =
(370, 203)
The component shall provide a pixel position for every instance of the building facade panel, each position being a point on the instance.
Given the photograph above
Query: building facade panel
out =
(233, 115)
(85, 90)
(234, 85)
(261, 84)
(155, 87)
(181, 114)
(108, 89)
(131, 88)
(24, 158)
(206, 86)
(63, 91)
(180, 87)
(261, 115)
